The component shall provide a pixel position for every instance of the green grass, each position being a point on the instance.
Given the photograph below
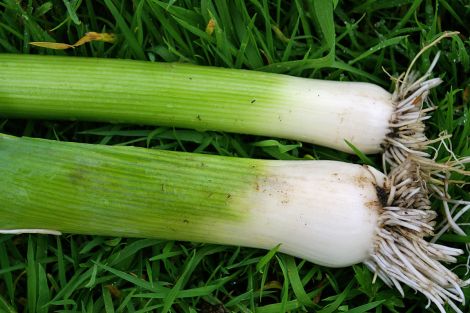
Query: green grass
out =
(356, 40)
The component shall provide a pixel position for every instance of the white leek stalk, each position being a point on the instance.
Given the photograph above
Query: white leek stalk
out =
(330, 213)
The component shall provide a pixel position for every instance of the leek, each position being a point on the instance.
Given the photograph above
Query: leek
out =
(330, 213)
(208, 98)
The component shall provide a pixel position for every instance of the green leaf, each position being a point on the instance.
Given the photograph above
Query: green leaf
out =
(72, 11)
(263, 262)
(366, 307)
(129, 36)
(296, 283)
(364, 158)
(5, 306)
(338, 301)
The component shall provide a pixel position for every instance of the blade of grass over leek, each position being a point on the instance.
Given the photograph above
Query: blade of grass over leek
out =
(364, 158)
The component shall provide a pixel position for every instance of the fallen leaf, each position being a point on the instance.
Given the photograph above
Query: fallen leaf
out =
(90, 36)
(210, 27)
(51, 45)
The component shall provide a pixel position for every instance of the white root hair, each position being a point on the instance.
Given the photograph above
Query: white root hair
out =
(407, 138)
(401, 254)
(407, 125)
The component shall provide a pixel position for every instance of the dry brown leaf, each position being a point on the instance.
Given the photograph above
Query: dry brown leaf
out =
(210, 27)
(51, 45)
(90, 36)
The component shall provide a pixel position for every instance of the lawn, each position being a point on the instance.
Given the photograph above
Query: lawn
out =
(349, 41)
